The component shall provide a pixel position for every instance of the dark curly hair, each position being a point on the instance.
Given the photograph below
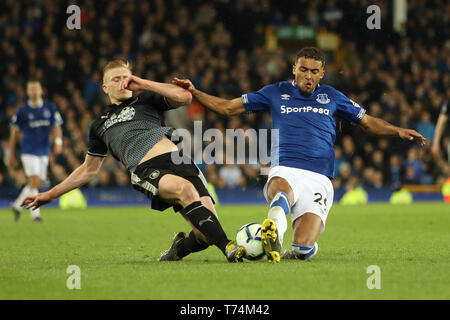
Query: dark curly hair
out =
(311, 53)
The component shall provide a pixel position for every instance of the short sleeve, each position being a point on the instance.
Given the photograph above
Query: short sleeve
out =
(155, 100)
(17, 120)
(257, 101)
(347, 109)
(96, 147)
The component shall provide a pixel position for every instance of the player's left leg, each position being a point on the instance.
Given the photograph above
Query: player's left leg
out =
(36, 183)
(307, 229)
(182, 192)
(309, 215)
(196, 241)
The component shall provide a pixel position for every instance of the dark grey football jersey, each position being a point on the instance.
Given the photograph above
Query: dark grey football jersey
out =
(129, 130)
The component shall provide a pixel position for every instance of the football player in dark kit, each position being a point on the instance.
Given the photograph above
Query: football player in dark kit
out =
(132, 130)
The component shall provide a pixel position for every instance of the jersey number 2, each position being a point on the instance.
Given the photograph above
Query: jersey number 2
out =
(319, 199)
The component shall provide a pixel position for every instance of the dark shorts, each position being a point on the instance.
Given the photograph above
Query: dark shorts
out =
(147, 175)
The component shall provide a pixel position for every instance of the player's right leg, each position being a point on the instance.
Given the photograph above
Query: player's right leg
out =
(35, 183)
(280, 195)
(182, 192)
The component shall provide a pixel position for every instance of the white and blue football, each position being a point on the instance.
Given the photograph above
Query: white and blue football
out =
(249, 236)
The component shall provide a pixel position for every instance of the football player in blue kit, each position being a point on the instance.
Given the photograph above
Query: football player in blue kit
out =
(302, 156)
(36, 119)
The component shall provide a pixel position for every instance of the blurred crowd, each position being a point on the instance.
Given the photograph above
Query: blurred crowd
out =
(401, 76)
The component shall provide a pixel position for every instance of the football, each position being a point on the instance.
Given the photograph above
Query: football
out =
(249, 236)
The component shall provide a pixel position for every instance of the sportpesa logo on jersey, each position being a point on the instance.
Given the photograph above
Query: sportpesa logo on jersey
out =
(125, 115)
(288, 110)
(39, 123)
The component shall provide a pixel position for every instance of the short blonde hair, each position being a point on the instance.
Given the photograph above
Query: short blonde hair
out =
(115, 64)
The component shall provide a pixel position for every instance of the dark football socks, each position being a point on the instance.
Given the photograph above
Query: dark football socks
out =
(208, 224)
(190, 244)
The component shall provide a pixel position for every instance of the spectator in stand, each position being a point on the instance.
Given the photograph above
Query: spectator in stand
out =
(345, 172)
(357, 166)
(348, 148)
(232, 176)
(425, 127)
(413, 167)
(396, 172)
(338, 160)
(368, 177)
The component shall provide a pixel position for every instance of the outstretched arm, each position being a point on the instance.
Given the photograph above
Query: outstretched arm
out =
(221, 106)
(380, 127)
(175, 95)
(76, 179)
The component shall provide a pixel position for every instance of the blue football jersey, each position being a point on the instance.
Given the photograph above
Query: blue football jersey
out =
(305, 129)
(36, 124)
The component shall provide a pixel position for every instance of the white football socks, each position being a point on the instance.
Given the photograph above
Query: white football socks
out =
(23, 194)
(279, 208)
(27, 191)
(304, 252)
(36, 212)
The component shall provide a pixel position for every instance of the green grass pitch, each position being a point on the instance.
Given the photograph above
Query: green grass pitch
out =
(117, 249)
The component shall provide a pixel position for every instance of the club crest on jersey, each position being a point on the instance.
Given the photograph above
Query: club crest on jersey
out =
(322, 98)
(154, 174)
(125, 115)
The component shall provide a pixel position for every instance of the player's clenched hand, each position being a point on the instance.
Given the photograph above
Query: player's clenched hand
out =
(184, 83)
(132, 83)
(34, 202)
(412, 135)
